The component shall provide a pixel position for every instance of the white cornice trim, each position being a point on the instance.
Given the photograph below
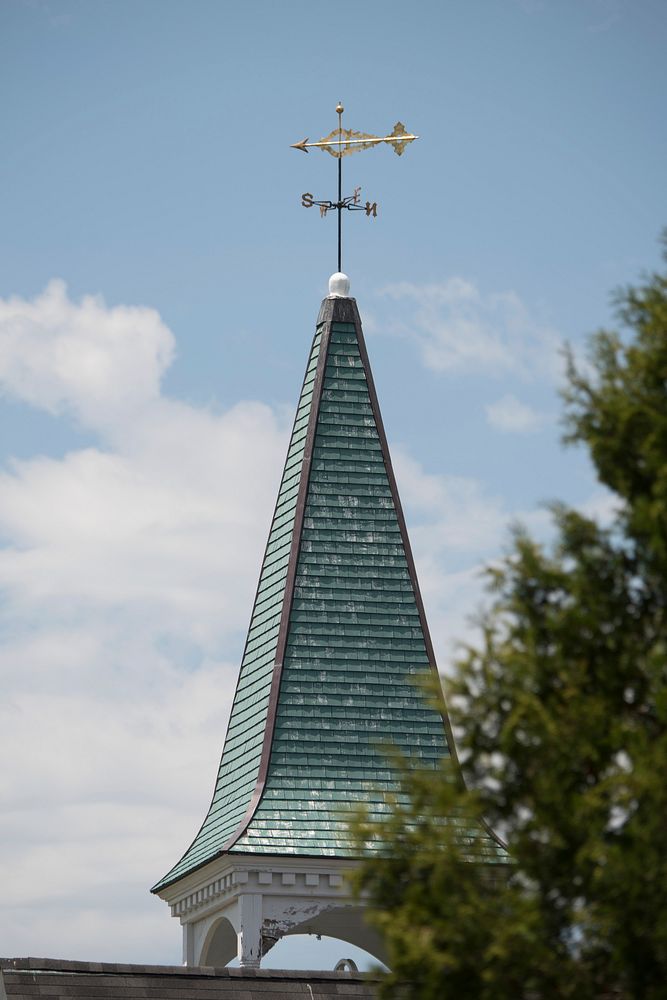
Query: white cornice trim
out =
(221, 880)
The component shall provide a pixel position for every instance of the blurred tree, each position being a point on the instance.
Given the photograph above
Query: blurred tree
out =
(562, 716)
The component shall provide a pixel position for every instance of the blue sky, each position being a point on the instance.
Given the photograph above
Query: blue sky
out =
(159, 283)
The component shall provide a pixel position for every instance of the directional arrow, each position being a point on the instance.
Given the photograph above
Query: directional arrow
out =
(343, 141)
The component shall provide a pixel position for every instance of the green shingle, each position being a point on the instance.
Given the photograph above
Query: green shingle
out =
(355, 644)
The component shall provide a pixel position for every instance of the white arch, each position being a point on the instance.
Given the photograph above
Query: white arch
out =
(345, 923)
(220, 944)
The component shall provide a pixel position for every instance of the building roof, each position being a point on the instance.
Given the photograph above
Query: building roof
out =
(54, 979)
(338, 637)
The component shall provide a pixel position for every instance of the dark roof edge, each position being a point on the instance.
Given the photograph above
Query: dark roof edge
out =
(411, 563)
(9, 965)
(404, 534)
(324, 319)
(166, 881)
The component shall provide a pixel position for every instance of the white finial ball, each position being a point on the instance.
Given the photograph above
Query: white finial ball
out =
(339, 286)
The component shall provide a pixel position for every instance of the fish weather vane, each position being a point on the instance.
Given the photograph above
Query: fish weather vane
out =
(343, 142)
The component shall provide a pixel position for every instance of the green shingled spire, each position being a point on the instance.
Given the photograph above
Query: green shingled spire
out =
(337, 638)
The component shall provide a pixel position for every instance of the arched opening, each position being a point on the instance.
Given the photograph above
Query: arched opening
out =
(346, 924)
(343, 928)
(314, 951)
(221, 945)
(320, 941)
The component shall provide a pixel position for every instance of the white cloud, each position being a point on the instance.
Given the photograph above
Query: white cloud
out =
(603, 506)
(459, 515)
(456, 530)
(164, 526)
(109, 763)
(127, 571)
(510, 414)
(102, 364)
(457, 328)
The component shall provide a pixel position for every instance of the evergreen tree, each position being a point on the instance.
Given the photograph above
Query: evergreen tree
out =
(562, 715)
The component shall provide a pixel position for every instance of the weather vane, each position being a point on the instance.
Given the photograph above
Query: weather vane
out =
(342, 142)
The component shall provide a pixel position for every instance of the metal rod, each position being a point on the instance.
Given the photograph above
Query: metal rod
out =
(339, 109)
(340, 213)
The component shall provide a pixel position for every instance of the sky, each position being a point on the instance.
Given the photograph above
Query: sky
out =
(159, 285)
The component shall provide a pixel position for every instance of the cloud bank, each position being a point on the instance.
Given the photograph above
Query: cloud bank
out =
(127, 570)
(458, 328)
(103, 365)
(509, 414)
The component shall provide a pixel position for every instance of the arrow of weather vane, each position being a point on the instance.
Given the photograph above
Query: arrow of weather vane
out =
(343, 142)
(347, 141)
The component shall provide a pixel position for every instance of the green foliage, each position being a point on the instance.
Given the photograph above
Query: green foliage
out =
(562, 715)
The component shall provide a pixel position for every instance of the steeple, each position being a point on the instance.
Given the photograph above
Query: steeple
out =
(337, 643)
